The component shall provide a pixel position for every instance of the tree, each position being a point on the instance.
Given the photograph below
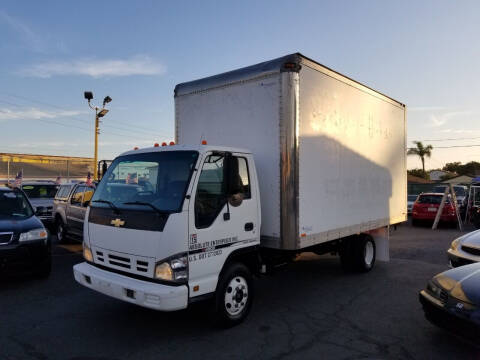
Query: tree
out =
(454, 167)
(421, 151)
(418, 173)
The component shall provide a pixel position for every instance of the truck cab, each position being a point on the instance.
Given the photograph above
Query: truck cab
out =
(168, 225)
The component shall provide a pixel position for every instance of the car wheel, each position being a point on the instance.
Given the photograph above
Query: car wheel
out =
(234, 295)
(61, 231)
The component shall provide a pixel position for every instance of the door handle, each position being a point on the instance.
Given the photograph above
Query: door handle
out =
(249, 226)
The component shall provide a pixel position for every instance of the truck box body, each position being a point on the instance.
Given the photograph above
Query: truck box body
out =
(330, 152)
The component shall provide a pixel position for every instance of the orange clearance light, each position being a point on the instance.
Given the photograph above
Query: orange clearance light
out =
(204, 142)
(196, 288)
(172, 143)
(164, 143)
(135, 148)
(303, 235)
(156, 145)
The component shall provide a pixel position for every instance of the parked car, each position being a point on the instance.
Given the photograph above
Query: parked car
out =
(410, 200)
(69, 208)
(24, 241)
(452, 299)
(465, 249)
(426, 206)
(461, 193)
(41, 195)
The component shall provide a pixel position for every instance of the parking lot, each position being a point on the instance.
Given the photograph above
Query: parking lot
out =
(308, 309)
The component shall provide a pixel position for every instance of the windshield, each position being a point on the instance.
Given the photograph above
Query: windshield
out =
(459, 190)
(44, 191)
(159, 179)
(13, 204)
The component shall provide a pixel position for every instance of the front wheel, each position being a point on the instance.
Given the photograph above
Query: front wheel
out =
(234, 295)
(358, 253)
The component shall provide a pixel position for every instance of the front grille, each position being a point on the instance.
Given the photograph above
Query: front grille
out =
(124, 262)
(471, 250)
(443, 296)
(5, 237)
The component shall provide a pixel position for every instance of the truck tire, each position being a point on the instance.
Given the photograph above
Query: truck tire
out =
(61, 232)
(234, 295)
(358, 254)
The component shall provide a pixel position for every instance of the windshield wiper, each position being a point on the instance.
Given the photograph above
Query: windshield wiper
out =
(112, 205)
(161, 212)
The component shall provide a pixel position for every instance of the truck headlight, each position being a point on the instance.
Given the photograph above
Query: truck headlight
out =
(173, 269)
(87, 253)
(32, 235)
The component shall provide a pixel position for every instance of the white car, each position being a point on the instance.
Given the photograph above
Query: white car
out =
(410, 200)
(465, 249)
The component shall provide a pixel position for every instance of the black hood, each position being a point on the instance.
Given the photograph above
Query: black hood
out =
(463, 283)
(20, 225)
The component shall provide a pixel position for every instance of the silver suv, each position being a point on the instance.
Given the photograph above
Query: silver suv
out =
(69, 208)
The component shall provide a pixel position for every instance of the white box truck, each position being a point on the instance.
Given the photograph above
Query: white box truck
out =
(271, 160)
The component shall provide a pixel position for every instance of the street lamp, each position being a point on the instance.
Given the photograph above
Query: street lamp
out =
(99, 112)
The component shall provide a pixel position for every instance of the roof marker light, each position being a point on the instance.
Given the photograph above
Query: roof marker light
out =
(156, 145)
(164, 143)
(172, 143)
(204, 142)
(135, 148)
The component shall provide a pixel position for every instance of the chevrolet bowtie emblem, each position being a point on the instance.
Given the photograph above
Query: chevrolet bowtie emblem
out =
(117, 222)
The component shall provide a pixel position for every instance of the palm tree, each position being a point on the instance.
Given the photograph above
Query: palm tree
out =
(421, 151)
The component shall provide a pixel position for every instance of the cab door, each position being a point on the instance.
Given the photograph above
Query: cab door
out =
(218, 226)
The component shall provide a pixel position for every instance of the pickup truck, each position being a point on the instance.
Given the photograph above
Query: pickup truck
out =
(69, 207)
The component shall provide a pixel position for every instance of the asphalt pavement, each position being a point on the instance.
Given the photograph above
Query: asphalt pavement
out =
(309, 309)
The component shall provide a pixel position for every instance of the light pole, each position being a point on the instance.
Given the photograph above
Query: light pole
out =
(99, 112)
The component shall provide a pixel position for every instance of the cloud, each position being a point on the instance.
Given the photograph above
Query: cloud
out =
(440, 120)
(137, 65)
(28, 36)
(35, 114)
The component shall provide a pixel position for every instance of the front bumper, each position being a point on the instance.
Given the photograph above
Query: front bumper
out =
(438, 314)
(24, 254)
(456, 258)
(143, 293)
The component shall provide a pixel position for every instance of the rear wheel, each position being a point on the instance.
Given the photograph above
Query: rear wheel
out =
(234, 295)
(358, 253)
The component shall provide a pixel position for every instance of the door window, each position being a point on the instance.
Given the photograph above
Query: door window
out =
(77, 196)
(210, 197)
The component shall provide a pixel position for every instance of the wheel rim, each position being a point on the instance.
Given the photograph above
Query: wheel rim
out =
(368, 253)
(59, 232)
(236, 295)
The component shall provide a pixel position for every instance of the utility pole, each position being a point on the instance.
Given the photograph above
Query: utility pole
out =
(99, 112)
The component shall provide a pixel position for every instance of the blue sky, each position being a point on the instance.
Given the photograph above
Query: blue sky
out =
(423, 53)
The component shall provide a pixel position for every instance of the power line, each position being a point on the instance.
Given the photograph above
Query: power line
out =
(452, 139)
(452, 146)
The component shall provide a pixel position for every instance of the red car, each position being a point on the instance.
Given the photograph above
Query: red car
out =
(426, 207)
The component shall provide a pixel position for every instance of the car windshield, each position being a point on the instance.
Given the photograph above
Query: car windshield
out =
(43, 191)
(412, 197)
(459, 190)
(159, 179)
(431, 199)
(13, 204)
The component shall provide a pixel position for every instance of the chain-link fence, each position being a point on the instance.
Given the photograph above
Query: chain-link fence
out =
(44, 167)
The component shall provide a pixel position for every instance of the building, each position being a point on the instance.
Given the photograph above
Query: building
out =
(461, 179)
(436, 175)
(44, 167)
